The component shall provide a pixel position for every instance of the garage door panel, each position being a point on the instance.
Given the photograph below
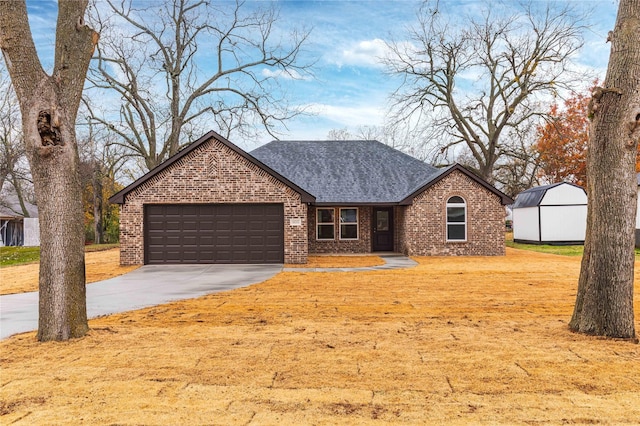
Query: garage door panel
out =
(171, 225)
(206, 225)
(173, 240)
(214, 233)
(271, 241)
(155, 240)
(239, 240)
(223, 256)
(240, 225)
(206, 254)
(190, 225)
(223, 240)
(189, 241)
(206, 241)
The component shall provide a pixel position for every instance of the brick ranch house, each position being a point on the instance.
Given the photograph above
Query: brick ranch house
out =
(212, 202)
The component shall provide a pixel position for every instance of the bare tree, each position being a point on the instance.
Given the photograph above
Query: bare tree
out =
(414, 142)
(49, 104)
(14, 170)
(519, 169)
(342, 134)
(148, 57)
(518, 173)
(100, 163)
(604, 302)
(474, 78)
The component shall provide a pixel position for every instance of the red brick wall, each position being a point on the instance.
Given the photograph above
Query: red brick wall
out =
(212, 173)
(422, 225)
(361, 245)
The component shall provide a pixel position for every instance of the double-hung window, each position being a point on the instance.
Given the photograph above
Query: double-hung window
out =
(325, 224)
(456, 219)
(348, 223)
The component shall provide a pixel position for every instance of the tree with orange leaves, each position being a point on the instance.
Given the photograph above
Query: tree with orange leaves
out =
(562, 142)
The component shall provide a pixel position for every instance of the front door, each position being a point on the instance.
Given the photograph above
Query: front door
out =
(382, 229)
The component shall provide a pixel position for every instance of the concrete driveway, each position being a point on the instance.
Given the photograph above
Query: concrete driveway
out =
(147, 286)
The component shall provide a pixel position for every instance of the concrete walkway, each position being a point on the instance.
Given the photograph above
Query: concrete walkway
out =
(392, 261)
(153, 285)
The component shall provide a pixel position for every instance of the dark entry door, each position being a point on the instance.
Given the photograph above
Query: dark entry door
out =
(382, 229)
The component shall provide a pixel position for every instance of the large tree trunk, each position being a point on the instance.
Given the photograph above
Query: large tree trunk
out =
(62, 312)
(604, 303)
(49, 105)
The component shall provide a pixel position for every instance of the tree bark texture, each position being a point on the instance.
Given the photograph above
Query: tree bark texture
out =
(604, 302)
(49, 105)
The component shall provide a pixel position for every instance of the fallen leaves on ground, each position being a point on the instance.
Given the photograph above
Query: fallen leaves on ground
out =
(100, 265)
(455, 340)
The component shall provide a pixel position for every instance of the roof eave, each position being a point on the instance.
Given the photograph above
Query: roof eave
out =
(354, 204)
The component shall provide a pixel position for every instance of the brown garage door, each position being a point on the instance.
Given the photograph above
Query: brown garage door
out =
(214, 233)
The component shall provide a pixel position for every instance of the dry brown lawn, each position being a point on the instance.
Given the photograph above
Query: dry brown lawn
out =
(452, 341)
(100, 265)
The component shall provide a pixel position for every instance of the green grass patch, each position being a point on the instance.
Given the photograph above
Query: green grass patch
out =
(12, 256)
(545, 248)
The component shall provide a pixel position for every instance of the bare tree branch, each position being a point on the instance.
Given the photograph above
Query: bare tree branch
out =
(153, 69)
(479, 77)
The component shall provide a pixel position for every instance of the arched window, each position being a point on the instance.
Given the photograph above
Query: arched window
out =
(456, 219)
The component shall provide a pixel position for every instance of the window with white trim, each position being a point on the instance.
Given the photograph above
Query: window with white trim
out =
(325, 224)
(456, 219)
(349, 223)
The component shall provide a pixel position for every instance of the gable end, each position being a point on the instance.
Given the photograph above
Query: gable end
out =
(153, 175)
(504, 199)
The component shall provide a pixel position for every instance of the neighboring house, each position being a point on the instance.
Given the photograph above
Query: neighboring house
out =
(214, 203)
(15, 228)
(551, 214)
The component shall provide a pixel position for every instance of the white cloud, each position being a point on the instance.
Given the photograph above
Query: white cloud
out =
(286, 75)
(366, 53)
(349, 116)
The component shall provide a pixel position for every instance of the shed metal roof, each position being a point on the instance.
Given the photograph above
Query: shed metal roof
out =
(533, 196)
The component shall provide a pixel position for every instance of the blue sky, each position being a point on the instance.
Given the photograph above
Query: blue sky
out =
(350, 88)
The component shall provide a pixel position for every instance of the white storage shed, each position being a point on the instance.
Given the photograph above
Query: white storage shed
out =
(551, 214)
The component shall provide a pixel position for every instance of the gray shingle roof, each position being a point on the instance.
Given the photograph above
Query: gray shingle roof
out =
(333, 172)
(339, 172)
